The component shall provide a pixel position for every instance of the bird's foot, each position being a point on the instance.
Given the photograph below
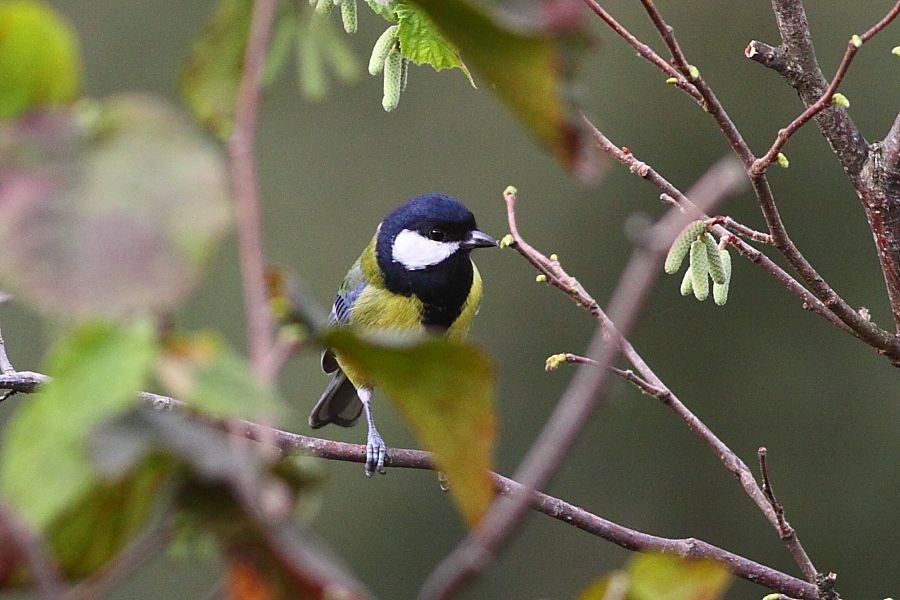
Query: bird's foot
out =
(376, 453)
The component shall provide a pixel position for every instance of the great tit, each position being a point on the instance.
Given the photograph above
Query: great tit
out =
(415, 275)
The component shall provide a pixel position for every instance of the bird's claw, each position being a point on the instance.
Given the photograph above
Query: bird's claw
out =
(376, 453)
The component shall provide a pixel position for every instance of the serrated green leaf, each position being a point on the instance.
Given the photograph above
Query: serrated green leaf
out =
(96, 373)
(444, 390)
(40, 64)
(422, 42)
(385, 11)
(528, 65)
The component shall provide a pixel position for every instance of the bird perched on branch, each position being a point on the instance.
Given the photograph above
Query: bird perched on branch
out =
(415, 275)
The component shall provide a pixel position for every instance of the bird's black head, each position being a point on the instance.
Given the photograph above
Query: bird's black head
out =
(423, 248)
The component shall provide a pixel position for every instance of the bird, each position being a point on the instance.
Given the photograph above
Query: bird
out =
(416, 276)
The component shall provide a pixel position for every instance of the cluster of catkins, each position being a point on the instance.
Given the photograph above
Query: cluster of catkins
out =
(707, 261)
(386, 57)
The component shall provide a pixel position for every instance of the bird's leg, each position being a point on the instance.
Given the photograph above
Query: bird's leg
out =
(376, 450)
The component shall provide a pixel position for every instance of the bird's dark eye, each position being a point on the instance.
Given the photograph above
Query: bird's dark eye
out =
(437, 234)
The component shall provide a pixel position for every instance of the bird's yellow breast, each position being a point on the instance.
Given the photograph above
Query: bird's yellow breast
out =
(379, 309)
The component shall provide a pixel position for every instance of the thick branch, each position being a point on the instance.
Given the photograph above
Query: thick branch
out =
(872, 170)
(560, 510)
(246, 185)
(797, 63)
(543, 503)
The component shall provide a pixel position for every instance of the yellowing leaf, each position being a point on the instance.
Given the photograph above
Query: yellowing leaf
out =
(445, 392)
(528, 66)
(96, 371)
(669, 577)
(662, 577)
(40, 63)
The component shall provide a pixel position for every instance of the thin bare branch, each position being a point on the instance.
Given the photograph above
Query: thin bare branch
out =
(558, 509)
(785, 531)
(5, 364)
(645, 51)
(825, 100)
(740, 229)
(883, 341)
(553, 507)
(246, 186)
(587, 390)
(644, 171)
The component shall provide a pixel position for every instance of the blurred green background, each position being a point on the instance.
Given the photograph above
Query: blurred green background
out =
(761, 371)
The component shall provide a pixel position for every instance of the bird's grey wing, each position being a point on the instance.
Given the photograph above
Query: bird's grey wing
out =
(354, 283)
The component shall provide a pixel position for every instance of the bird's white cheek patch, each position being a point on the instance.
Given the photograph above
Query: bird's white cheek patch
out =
(415, 251)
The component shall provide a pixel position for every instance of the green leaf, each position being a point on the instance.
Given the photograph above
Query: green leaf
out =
(422, 42)
(212, 378)
(445, 392)
(109, 210)
(40, 64)
(662, 577)
(528, 65)
(96, 373)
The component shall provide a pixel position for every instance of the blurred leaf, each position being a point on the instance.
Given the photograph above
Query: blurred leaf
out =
(247, 582)
(661, 577)
(87, 536)
(529, 64)
(96, 372)
(319, 43)
(310, 61)
(40, 64)
(212, 73)
(669, 577)
(230, 488)
(612, 586)
(445, 390)
(282, 42)
(202, 371)
(109, 210)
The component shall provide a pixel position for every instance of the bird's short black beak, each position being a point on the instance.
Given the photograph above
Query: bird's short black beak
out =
(478, 239)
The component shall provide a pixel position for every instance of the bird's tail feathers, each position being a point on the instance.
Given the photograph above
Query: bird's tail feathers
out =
(339, 404)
